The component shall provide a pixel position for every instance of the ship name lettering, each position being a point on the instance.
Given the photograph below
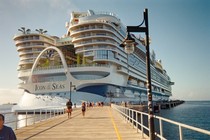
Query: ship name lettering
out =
(37, 87)
(57, 86)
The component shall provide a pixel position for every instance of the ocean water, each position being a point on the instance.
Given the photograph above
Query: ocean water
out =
(193, 113)
(10, 117)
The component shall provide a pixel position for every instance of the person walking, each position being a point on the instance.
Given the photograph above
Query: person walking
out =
(83, 109)
(6, 133)
(69, 108)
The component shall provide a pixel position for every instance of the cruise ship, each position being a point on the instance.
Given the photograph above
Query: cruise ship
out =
(86, 64)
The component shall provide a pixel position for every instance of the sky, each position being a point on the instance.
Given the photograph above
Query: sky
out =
(179, 32)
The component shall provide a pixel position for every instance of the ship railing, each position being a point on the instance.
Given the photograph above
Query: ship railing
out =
(93, 28)
(89, 65)
(31, 32)
(96, 41)
(139, 121)
(61, 66)
(22, 118)
(49, 67)
(106, 13)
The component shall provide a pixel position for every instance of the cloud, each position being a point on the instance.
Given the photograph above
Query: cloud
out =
(10, 95)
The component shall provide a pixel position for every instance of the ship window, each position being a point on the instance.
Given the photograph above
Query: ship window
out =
(101, 33)
(36, 37)
(116, 55)
(112, 55)
(102, 54)
(100, 26)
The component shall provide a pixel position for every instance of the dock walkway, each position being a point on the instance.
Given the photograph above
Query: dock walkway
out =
(101, 123)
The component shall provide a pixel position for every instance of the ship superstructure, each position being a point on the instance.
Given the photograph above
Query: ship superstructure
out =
(90, 58)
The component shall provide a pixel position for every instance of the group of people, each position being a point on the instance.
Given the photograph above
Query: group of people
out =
(83, 107)
(6, 133)
(69, 108)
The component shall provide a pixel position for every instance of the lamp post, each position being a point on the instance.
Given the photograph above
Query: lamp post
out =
(129, 44)
(71, 85)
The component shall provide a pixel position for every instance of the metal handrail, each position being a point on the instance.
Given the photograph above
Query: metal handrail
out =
(181, 126)
(128, 114)
(37, 115)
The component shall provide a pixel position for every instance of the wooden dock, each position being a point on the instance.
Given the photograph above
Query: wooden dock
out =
(101, 123)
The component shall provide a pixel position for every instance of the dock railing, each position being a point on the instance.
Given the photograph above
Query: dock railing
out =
(139, 121)
(22, 118)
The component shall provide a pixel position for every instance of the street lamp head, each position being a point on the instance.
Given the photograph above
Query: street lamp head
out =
(129, 39)
(128, 44)
(129, 48)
